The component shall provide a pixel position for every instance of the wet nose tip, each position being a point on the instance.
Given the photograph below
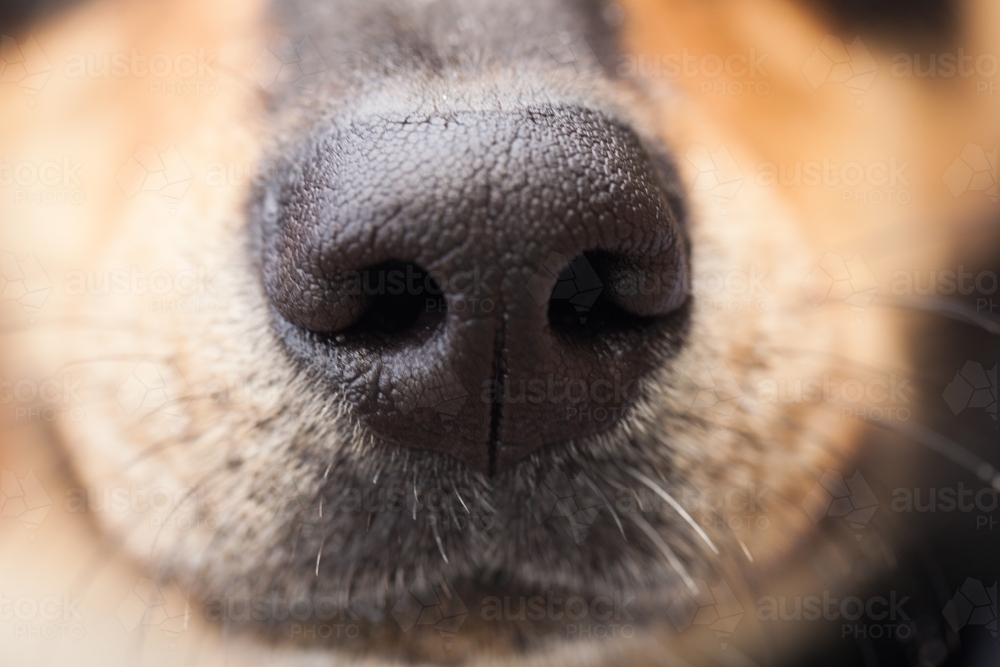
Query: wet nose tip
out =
(482, 284)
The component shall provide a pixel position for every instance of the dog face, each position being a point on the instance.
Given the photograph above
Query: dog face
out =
(457, 332)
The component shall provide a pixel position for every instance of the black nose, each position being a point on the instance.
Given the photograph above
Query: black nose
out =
(481, 284)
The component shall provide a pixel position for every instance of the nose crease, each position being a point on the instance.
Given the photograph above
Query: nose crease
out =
(496, 408)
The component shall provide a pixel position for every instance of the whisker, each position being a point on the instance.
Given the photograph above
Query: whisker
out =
(197, 487)
(416, 500)
(666, 551)
(11, 327)
(947, 448)
(142, 356)
(319, 554)
(607, 504)
(464, 506)
(949, 308)
(432, 519)
(658, 490)
(744, 547)
(150, 451)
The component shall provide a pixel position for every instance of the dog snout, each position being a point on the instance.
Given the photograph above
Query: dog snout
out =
(481, 284)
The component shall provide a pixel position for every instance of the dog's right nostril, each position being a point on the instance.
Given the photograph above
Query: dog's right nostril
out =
(600, 291)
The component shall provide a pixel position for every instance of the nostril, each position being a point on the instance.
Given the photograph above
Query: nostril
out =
(399, 296)
(605, 291)
(580, 303)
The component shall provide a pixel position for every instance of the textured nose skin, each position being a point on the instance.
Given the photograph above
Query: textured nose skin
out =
(481, 284)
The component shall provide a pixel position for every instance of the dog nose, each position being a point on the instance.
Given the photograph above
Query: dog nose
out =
(481, 284)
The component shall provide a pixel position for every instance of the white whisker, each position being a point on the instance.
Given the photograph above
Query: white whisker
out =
(745, 550)
(666, 550)
(437, 538)
(658, 490)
